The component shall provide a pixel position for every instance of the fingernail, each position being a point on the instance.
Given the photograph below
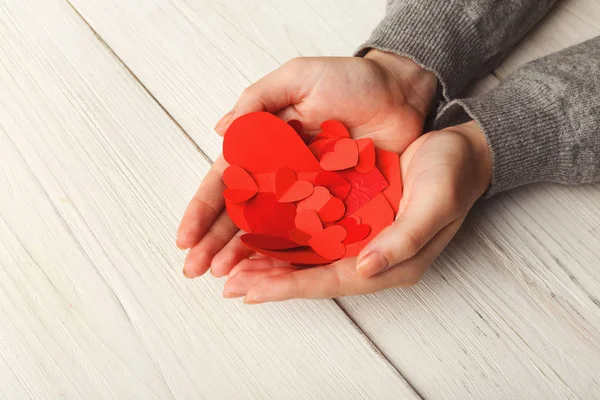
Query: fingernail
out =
(232, 295)
(371, 264)
(251, 301)
(186, 275)
(225, 120)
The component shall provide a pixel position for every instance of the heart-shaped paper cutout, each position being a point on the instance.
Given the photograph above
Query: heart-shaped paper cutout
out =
(354, 232)
(335, 183)
(262, 143)
(315, 201)
(308, 224)
(343, 156)
(280, 222)
(364, 187)
(332, 129)
(288, 189)
(320, 147)
(269, 242)
(240, 185)
(366, 155)
(328, 243)
(297, 125)
(332, 210)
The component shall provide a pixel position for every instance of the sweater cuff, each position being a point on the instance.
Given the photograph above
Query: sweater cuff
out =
(522, 124)
(437, 35)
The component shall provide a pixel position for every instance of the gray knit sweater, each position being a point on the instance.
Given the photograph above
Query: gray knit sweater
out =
(543, 122)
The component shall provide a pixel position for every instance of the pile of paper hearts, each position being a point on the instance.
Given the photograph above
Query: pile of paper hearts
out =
(303, 199)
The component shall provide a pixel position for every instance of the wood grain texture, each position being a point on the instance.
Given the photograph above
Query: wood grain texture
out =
(196, 57)
(570, 22)
(93, 179)
(511, 308)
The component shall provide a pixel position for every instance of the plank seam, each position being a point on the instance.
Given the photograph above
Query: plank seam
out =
(376, 349)
(139, 82)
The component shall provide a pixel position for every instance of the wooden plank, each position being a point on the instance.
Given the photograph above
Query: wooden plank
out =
(499, 315)
(196, 57)
(568, 23)
(93, 179)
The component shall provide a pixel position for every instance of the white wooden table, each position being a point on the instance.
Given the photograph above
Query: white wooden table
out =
(106, 115)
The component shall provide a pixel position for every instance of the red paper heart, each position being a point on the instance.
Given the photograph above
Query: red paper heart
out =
(307, 224)
(261, 143)
(269, 242)
(320, 147)
(315, 201)
(288, 189)
(335, 183)
(280, 222)
(332, 210)
(377, 213)
(355, 232)
(240, 185)
(366, 155)
(297, 125)
(333, 129)
(343, 156)
(328, 243)
(364, 187)
(301, 255)
(389, 165)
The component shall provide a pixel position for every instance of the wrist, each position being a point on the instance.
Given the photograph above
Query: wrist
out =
(482, 155)
(419, 84)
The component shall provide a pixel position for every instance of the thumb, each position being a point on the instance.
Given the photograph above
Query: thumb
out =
(273, 93)
(422, 218)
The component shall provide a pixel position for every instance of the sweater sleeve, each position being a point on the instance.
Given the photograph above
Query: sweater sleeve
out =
(458, 40)
(543, 122)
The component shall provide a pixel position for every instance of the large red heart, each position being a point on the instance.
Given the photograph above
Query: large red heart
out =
(262, 143)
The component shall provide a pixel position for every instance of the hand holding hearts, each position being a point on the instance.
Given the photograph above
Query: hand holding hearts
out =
(307, 200)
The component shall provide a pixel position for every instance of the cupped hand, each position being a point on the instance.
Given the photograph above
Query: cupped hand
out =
(383, 96)
(444, 173)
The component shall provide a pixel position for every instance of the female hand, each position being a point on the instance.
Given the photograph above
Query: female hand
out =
(444, 173)
(382, 96)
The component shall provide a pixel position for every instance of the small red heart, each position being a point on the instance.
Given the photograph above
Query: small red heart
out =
(320, 147)
(332, 210)
(337, 185)
(343, 156)
(269, 242)
(240, 185)
(333, 129)
(328, 242)
(315, 201)
(366, 155)
(280, 222)
(288, 189)
(307, 224)
(355, 232)
(297, 125)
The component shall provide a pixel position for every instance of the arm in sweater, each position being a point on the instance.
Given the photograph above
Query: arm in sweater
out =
(543, 122)
(457, 40)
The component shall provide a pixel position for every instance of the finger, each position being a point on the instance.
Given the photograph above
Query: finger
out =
(342, 279)
(276, 91)
(425, 214)
(229, 256)
(204, 208)
(252, 272)
(256, 261)
(200, 257)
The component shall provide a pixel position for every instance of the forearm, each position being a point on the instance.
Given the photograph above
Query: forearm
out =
(543, 122)
(458, 40)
